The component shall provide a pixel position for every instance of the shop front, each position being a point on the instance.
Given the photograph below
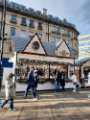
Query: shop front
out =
(47, 66)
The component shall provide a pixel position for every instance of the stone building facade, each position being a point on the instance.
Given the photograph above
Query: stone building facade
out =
(41, 40)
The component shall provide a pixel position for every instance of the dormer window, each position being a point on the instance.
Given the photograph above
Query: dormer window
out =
(23, 21)
(40, 26)
(31, 24)
(13, 19)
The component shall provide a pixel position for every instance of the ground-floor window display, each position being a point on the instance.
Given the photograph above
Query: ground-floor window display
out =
(86, 70)
(46, 65)
(47, 71)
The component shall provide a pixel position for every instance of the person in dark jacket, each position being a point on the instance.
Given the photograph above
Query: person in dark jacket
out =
(31, 83)
(36, 78)
(1, 75)
(62, 80)
(58, 78)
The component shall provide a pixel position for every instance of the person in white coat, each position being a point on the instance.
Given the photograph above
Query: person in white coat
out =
(89, 78)
(75, 82)
(9, 92)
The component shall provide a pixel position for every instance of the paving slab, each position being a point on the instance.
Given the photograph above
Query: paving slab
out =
(50, 106)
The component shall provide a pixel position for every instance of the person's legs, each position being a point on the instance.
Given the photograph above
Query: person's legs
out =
(74, 87)
(26, 91)
(4, 103)
(57, 86)
(34, 92)
(11, 104)
(63, 87)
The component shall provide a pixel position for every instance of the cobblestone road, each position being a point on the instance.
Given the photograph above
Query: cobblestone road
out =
(51, 106)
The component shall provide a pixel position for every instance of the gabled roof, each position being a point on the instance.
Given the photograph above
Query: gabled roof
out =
(36, 35)
(20, 43)
(61, 44)
(71, 50)
(50, 47)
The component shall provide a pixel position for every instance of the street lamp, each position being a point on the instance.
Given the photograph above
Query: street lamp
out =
(1, 23)
(2, 37)
(3, 28)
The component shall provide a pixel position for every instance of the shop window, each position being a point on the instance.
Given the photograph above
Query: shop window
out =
(31, 24)
(23, 21)
(13, 19)
(40, 26)
(10, 48)
(40, 34)
(13, 31)
(86, 71)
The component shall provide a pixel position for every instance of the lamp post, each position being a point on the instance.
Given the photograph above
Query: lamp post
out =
(2, 37)
(3, 28)
(1, 24)
(74, 65)
(47, 29)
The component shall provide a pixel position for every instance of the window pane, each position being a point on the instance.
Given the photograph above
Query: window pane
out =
(40, 26)
(31, 24)
(23, 21)
(13, 31)
(13, 19)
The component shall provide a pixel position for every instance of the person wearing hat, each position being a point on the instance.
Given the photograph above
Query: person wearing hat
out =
(9, 91)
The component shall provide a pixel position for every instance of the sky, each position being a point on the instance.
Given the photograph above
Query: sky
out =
(75, 11)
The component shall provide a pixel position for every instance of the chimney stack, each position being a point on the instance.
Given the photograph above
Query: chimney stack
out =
(2, 1)
(44, 11)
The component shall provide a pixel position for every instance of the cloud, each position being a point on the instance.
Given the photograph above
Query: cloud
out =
(86, 12)
(83, 17)
(75, 11)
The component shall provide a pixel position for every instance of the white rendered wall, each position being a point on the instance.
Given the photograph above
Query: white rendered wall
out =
(45, 86)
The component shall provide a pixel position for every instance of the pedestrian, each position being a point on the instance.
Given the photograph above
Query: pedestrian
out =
(1, 75)
(10, 88)
(82, 81)
(1, 78)
(75, 82)
(89, 84)
(36, 79)
(31, 84)
(62, 80)
(89, 78)
(58, 78)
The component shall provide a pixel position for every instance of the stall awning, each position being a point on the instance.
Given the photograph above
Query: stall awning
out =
(45, 59)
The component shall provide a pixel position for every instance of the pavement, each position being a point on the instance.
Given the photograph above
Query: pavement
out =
(50, 106)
